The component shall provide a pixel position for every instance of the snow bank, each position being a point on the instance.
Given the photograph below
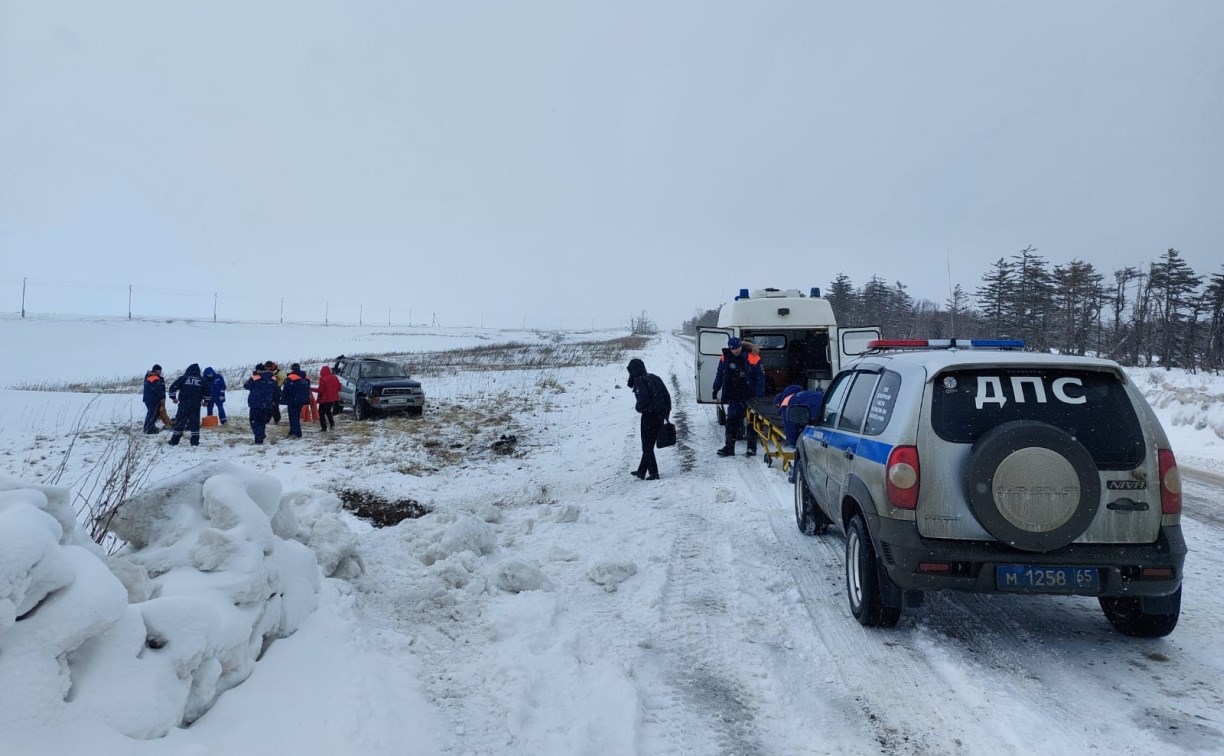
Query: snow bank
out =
(1183, 398)
(216, 569)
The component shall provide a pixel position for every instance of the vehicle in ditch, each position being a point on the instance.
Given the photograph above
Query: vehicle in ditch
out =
(369, 385)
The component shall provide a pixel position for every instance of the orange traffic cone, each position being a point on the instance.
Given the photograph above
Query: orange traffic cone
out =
(210, 421)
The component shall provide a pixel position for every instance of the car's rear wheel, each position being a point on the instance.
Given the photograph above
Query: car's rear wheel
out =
(415, 411)
(808, 517)
(1126, 614)
(863, 579)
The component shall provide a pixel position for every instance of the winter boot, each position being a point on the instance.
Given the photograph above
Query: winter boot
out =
(726, 451)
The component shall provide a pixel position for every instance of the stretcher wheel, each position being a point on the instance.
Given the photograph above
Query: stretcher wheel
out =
(768, 459)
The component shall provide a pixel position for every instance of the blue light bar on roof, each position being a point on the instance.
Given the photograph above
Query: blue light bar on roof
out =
(946, 344)
(997, 343)
(743, 294)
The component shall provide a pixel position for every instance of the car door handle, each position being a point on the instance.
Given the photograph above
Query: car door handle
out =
(847, 454)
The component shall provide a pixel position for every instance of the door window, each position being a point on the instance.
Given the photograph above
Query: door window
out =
(832, 405)
(857, 402)
(882, 403)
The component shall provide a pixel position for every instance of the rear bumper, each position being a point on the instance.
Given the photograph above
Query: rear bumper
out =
(973, 563)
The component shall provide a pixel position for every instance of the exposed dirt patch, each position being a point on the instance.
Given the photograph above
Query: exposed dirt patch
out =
(382, 512)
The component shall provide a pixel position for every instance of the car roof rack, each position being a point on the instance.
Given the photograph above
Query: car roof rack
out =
(881, 345)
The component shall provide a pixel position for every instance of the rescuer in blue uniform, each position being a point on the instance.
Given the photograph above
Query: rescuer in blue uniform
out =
(216, 393)
(295, 393)
(739, 379)
(263, 394)
(154, 395)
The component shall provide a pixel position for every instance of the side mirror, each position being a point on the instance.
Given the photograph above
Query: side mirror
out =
(798, 415)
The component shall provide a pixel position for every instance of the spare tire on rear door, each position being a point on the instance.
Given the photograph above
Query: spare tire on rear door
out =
(1032, 485)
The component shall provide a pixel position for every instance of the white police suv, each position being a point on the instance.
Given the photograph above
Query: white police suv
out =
(970, 465)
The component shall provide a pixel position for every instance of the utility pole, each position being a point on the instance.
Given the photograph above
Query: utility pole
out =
(282, 315)
(326, 312)
(129, 301)
(214, 307)
(482, 320)
(388, 317)
(23, 288)
(409, 317)
(360, 314)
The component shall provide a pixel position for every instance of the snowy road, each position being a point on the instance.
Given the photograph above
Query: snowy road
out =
(734, 635)
(552, 604)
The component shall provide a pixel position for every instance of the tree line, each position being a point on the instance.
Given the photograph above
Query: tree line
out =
(1161, 314)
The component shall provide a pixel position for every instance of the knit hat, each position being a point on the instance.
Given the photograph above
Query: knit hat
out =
(734, 343)
(156, 368)
(295, 367)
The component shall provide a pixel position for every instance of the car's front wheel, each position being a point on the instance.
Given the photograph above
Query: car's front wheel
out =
(863, 579)
(361, 410)
(1126, 614)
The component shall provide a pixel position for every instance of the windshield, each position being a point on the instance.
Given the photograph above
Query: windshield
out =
(382, 370)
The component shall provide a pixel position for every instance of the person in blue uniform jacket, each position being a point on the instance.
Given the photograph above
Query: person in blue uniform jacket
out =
(216, 393)
(188, 392)
(295, 393)
(739, 379)
(263, 394)
(794, 396)
(154, 395)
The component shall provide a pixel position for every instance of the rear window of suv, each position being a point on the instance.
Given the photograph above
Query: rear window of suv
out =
(1091, 405)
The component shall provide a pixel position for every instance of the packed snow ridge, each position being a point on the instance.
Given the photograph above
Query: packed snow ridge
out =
(219, 563)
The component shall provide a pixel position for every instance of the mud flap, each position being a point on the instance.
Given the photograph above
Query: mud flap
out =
(1158, 604)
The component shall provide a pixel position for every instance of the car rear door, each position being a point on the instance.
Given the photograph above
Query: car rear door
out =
(844, 445)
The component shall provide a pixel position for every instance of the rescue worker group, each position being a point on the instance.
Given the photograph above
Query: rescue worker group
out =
(268, 387)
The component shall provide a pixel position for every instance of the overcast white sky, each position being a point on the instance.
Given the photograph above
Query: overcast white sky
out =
(565, 163)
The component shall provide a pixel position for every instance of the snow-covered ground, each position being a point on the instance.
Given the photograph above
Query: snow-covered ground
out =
(550, 603)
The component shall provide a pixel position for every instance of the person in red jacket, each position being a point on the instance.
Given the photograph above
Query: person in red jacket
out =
(329, 396)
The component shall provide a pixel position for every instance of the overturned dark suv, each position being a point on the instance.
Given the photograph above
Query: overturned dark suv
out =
(969, 467)
(368, 385)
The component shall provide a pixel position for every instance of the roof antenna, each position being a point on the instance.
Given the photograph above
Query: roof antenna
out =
(951, 294)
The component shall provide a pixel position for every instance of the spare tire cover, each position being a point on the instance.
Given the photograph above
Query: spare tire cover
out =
(1032, 485)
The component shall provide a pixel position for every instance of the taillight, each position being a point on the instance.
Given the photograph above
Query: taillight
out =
(1170, 483)
(902, 476)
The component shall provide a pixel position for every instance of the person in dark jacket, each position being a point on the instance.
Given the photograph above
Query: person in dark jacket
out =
(329, 395)
(654, 404)
(279, 375)
(295, 394)
(188, 392)
(795, 396)
(154, 396)
(263, 394)
(216, 393)
(739, 379)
